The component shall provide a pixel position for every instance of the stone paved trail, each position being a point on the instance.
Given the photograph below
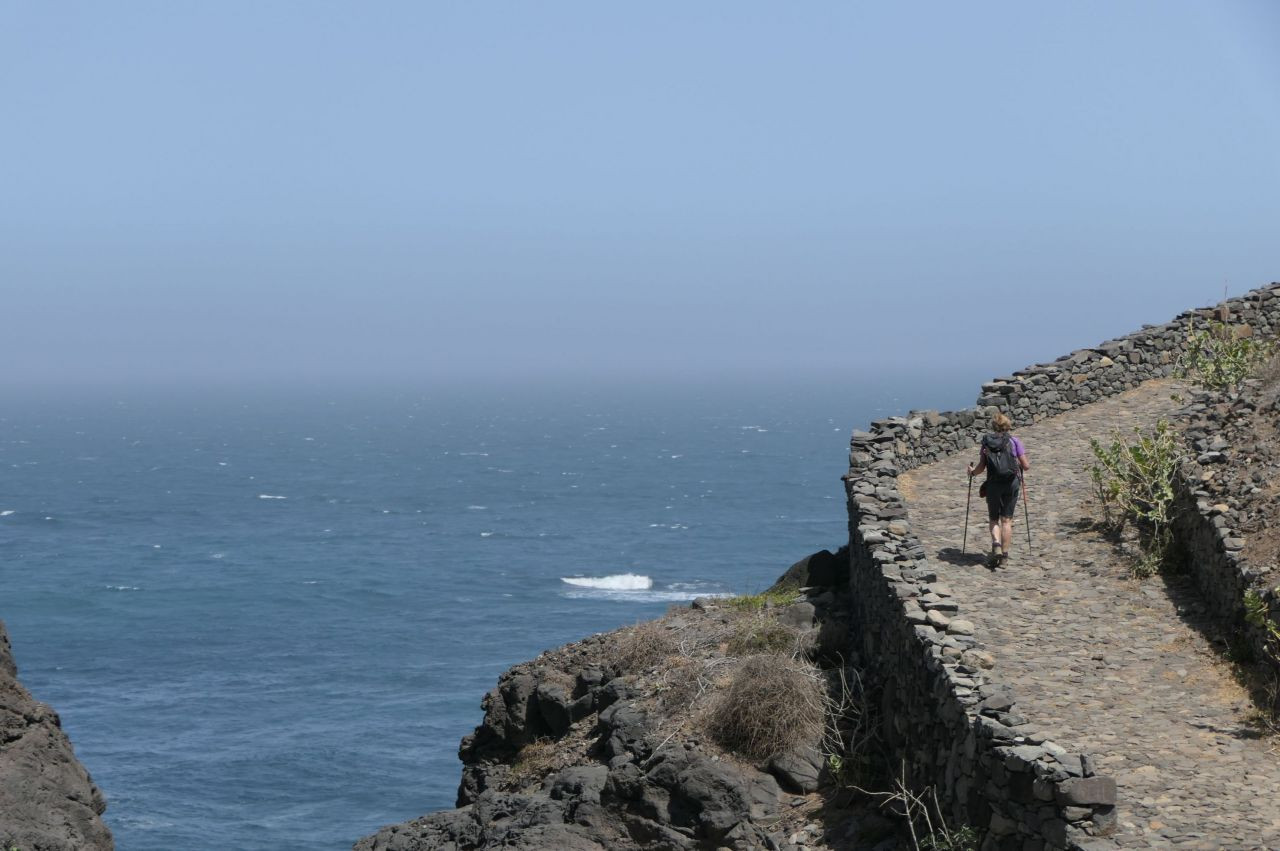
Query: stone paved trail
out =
(1101, 663)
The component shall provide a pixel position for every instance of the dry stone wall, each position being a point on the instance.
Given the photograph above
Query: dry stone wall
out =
(955, 728)
(1216, 491)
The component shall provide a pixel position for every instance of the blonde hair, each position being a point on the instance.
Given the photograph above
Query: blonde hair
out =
(1001, 422)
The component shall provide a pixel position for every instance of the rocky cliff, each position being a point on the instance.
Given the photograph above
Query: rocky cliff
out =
(48, 802)
(708, 728)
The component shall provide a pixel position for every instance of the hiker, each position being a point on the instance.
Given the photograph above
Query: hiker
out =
(1004, 459)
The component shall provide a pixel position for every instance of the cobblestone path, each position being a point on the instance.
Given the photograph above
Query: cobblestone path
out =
(1101, 663)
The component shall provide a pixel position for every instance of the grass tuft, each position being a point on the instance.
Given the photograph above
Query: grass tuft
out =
(764, 600)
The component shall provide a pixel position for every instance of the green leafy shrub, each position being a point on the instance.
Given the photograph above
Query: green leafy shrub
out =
(1266, 687)
(1255, 614)
(1133, 479)
(1220, 357)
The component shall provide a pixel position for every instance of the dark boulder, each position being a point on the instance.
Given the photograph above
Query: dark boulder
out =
(553, 706)
(799, 770)
(580, 783)
(822, 569)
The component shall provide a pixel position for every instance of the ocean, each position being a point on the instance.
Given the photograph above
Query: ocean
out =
(266, 619)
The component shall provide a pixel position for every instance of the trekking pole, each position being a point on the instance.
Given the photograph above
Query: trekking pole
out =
(968, 500)
(1026, 515)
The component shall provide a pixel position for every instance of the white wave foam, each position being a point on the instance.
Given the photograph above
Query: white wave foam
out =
(6, 512)
(270, 496)
(617, 582)
(123, 588)
(477, 508)
(486, 534)
(656, 595)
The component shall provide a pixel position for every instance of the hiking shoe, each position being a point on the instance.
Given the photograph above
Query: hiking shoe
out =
(1002, 558)
(997, 555)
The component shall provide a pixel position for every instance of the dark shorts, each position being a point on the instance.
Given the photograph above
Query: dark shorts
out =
(1002, 499)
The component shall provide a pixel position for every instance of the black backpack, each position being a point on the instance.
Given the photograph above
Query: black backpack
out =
(1002, 466)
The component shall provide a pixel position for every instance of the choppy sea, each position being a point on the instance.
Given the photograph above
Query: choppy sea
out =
(267, 619)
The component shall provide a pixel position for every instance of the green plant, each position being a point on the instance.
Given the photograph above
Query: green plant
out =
(1219, 357)
(1134, 482)
(1255, 614)
(763, 600)
(963, 838)
(1266, 686)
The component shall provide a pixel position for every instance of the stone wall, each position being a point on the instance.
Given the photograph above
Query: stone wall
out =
(952, 726)
(1045, 390)
(1218, 492)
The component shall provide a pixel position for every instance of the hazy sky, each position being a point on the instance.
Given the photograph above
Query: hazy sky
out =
(404, 191)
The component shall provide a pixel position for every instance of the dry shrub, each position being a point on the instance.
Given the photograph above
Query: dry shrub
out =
(773, 704)
(761, 633)
(681, 683)
(642, 646)
(534, 761)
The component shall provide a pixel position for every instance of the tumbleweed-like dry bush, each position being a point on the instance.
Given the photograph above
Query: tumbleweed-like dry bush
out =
(773, 703)
(642, 646)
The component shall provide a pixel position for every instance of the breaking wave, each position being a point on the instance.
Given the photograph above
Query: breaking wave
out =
(618, 582)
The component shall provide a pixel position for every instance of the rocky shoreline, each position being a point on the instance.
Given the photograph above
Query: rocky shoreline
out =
(611, 742)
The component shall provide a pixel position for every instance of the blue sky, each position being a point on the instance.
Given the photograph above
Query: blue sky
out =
(415, 192)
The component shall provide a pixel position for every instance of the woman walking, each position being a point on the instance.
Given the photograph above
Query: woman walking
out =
(1004, 459)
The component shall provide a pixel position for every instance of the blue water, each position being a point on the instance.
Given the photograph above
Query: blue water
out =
(266, 620)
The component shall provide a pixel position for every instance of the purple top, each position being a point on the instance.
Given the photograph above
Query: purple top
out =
(1018, 451)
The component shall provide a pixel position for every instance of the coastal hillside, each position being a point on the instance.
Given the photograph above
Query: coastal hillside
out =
(1112, 684)
(711, 727)
(48, 801)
